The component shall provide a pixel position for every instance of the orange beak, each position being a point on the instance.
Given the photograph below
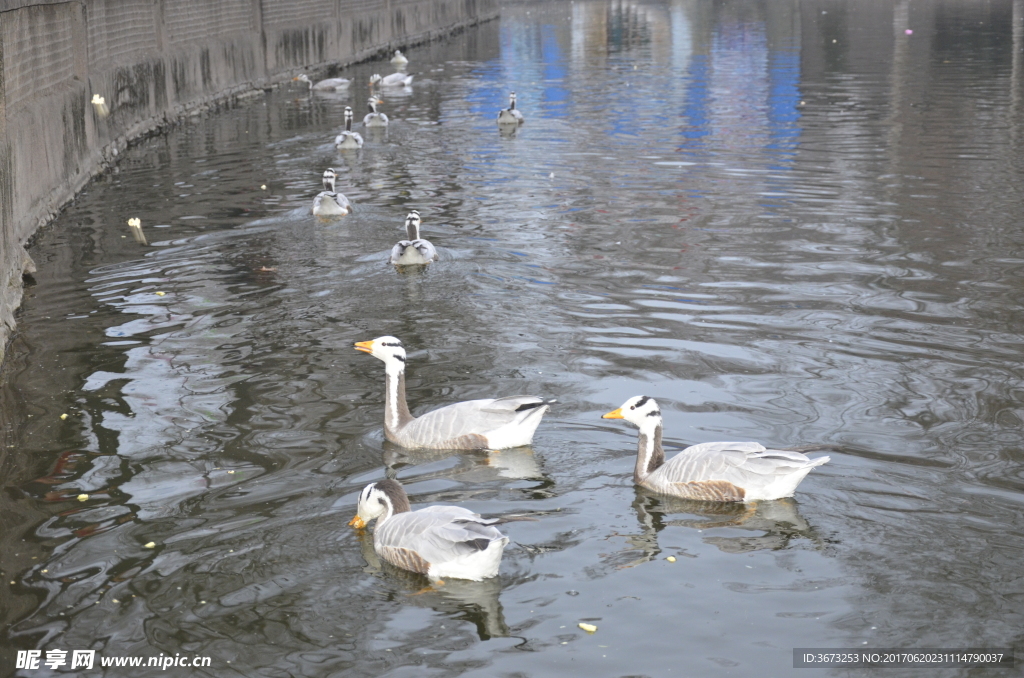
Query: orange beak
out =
(365, 346)
(614, 414)
(357, 523)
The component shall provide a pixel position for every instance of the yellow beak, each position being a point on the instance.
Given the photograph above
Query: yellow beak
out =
(365, 346)
(614, 414)
(357, 523)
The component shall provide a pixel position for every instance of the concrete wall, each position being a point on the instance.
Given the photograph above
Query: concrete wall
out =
(154, 61)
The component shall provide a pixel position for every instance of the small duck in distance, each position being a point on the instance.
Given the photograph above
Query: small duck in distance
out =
(485, 424)
(510, 115)
(348, 139)
(329, 203)
(373, 118)
(399, 58)
(393, 80)
(437, 541)
(710, 471)
(415, 251)
(328, 85)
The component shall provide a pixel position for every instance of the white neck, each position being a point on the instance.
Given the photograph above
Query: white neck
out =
(649, 453)
(389, 509)
(394, 371)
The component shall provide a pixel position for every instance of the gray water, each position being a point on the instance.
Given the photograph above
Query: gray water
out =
(790, 223)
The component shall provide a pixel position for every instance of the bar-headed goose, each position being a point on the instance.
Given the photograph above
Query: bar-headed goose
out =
(470, 425)
(415, 250)
(393, 80)
(328, 203)
(438, 541)
(373, 118)
(348, 138)
(328, 85)
(510, 115)
(399, 59)
(710, 471)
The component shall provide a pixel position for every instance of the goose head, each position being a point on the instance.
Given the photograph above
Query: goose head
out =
(302, 77)
(388, 349)
(372, 103)
(375, 78)
(348, 115)
(412, 224)
(381, 499)
(512, 101)
(329, 176)
(641, 411)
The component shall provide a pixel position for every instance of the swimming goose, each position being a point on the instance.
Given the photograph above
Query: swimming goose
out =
(710, 471)
(327, 203)
(373, 118)
(415, 250)
(510, 115)
(399, 58)
(328, 85)
(393, 80)
(438, 541)
(470, 425)
(348, 138)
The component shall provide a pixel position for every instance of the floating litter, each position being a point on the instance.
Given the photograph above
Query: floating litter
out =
(64, 416)
(151, 545)
(909, 31)
(671, 559)
(83, 497)
(136, 225)
(160, 294)
(589, 628)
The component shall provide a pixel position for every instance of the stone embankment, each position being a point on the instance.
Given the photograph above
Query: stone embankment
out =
(154, 62)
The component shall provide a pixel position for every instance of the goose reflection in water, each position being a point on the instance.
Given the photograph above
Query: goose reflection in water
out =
(474, 601)
(778, 521)
(514, 463)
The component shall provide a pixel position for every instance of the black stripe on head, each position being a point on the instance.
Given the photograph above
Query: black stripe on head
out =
(399, 357)
(527, 406)
(640, 403)
(395, 492)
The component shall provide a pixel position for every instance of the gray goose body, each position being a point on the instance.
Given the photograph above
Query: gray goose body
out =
(348, 139)
(438, 541)
(329, 203)
(327, 85)
(415, 251)
(491, 423)
(393, 80)
(726, 471)
(510, 115)
(374, 118)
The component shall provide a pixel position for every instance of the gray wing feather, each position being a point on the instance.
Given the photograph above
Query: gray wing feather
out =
(741, 463)
(438, 534)
(471, 416)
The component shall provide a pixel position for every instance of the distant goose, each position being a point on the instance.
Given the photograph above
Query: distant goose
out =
(438, 541)
(415, 250)
(327, 203)
(348, 138)
(393, 80)
(399, 58)
(510, 115)
(469, 425)
(328, 85)
(373, 118)
(710, 471)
